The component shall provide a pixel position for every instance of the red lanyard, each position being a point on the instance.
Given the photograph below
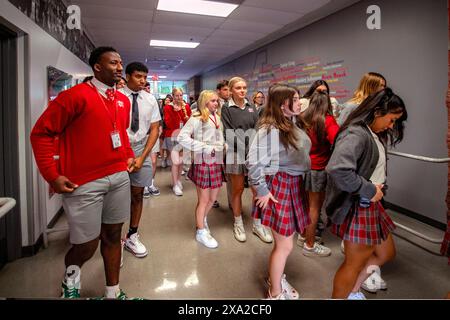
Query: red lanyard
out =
(113, 121)
(214, 120)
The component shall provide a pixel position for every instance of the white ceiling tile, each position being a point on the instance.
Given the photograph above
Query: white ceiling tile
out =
(190, 32)
(250, 26)
(131, 4)
(299, 6)
(122, 25)
(260, 14)
(190, 20)
(96, 11)
(237, 35)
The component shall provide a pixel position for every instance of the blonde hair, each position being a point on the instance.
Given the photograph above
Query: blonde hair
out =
(203, 111)
(255, 94)
(370, 83)
(183, 104)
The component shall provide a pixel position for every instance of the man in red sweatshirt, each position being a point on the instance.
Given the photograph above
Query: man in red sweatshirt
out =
(95, 157)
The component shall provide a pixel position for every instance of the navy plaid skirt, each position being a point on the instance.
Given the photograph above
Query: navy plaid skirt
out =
(291, 213)
(207, 176)
(369, 226)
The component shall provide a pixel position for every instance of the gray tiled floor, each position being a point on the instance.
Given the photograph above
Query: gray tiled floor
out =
(179, 268)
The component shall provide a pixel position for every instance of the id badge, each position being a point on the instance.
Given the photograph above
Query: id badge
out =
(115, 137)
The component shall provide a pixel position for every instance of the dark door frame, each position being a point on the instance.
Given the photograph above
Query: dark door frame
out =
(11, 222)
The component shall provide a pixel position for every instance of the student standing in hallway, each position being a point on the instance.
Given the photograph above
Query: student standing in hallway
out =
(176, 115)
(223, 91)
(321, 128)
(90, 120)
(357, 177)
(142, 132)
(239, 120)
(277, 162)
(203, 135)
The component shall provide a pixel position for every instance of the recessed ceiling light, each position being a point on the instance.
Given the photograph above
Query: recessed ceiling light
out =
(203, 7)
(174, 44)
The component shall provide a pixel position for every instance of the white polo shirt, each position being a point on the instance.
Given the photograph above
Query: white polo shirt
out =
(148, 113)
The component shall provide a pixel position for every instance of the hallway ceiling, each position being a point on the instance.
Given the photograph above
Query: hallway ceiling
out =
(129, 25)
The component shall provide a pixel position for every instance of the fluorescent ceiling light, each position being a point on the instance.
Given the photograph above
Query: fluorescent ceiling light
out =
(162, 77)
(208, 8)
(174, 44)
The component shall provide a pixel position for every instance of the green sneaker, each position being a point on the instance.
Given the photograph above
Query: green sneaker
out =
(121, 296)
(69, 291)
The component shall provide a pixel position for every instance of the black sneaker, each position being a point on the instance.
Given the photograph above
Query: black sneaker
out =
(216, 204)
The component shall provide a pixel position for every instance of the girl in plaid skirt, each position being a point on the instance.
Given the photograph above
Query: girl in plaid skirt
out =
(357, 175)
(203, 135)
(277, 161)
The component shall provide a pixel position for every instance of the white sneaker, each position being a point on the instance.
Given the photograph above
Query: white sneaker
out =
(183, 172)
(374, 283)
(239, 232)
(176, 189)
(301, 240)
(262, 233)
(179, 184)
(290, 292)
(135, 246)
(205, 238)
(356, 296)
(152, 190)
(282, 296)
(317, 250)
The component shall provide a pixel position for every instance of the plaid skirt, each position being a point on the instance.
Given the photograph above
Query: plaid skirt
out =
(369, 226)
(206, 176)
(291, 213)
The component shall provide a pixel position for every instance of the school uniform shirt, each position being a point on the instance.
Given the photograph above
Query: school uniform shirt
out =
(175, 120)
(202, 137)
(83, 119)
(148, 113)
(235, 118)
(379, 174)
(268, 156)
(321, 151)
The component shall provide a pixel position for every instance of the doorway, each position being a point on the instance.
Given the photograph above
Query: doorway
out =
(10, 226)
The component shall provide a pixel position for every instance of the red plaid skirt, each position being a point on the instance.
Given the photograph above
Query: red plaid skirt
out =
(207, 176)
(369, 226)
(291, 213)
(445, 248)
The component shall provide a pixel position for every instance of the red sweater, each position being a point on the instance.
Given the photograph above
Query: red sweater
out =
(83, 124)
(320, 153)
(173, 119)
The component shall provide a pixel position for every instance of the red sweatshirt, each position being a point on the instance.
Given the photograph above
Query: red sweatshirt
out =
(84, 125)
(320, 153)
(173, 119)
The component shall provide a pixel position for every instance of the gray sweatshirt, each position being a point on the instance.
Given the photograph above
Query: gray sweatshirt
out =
(354, 159)
(267, 156)
(347, 108)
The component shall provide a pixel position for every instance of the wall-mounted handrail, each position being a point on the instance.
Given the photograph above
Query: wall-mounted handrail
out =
(425, 159)
(420, 158)
(6, 204)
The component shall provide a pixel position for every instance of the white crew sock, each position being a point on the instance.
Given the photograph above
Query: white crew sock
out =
(112, 292)
(238, 220)
(72, 276)
(256, 222)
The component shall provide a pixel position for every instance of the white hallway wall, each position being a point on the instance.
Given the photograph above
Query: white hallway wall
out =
(37, 50)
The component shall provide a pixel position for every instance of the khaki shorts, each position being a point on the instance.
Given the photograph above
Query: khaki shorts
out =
(102, 201)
